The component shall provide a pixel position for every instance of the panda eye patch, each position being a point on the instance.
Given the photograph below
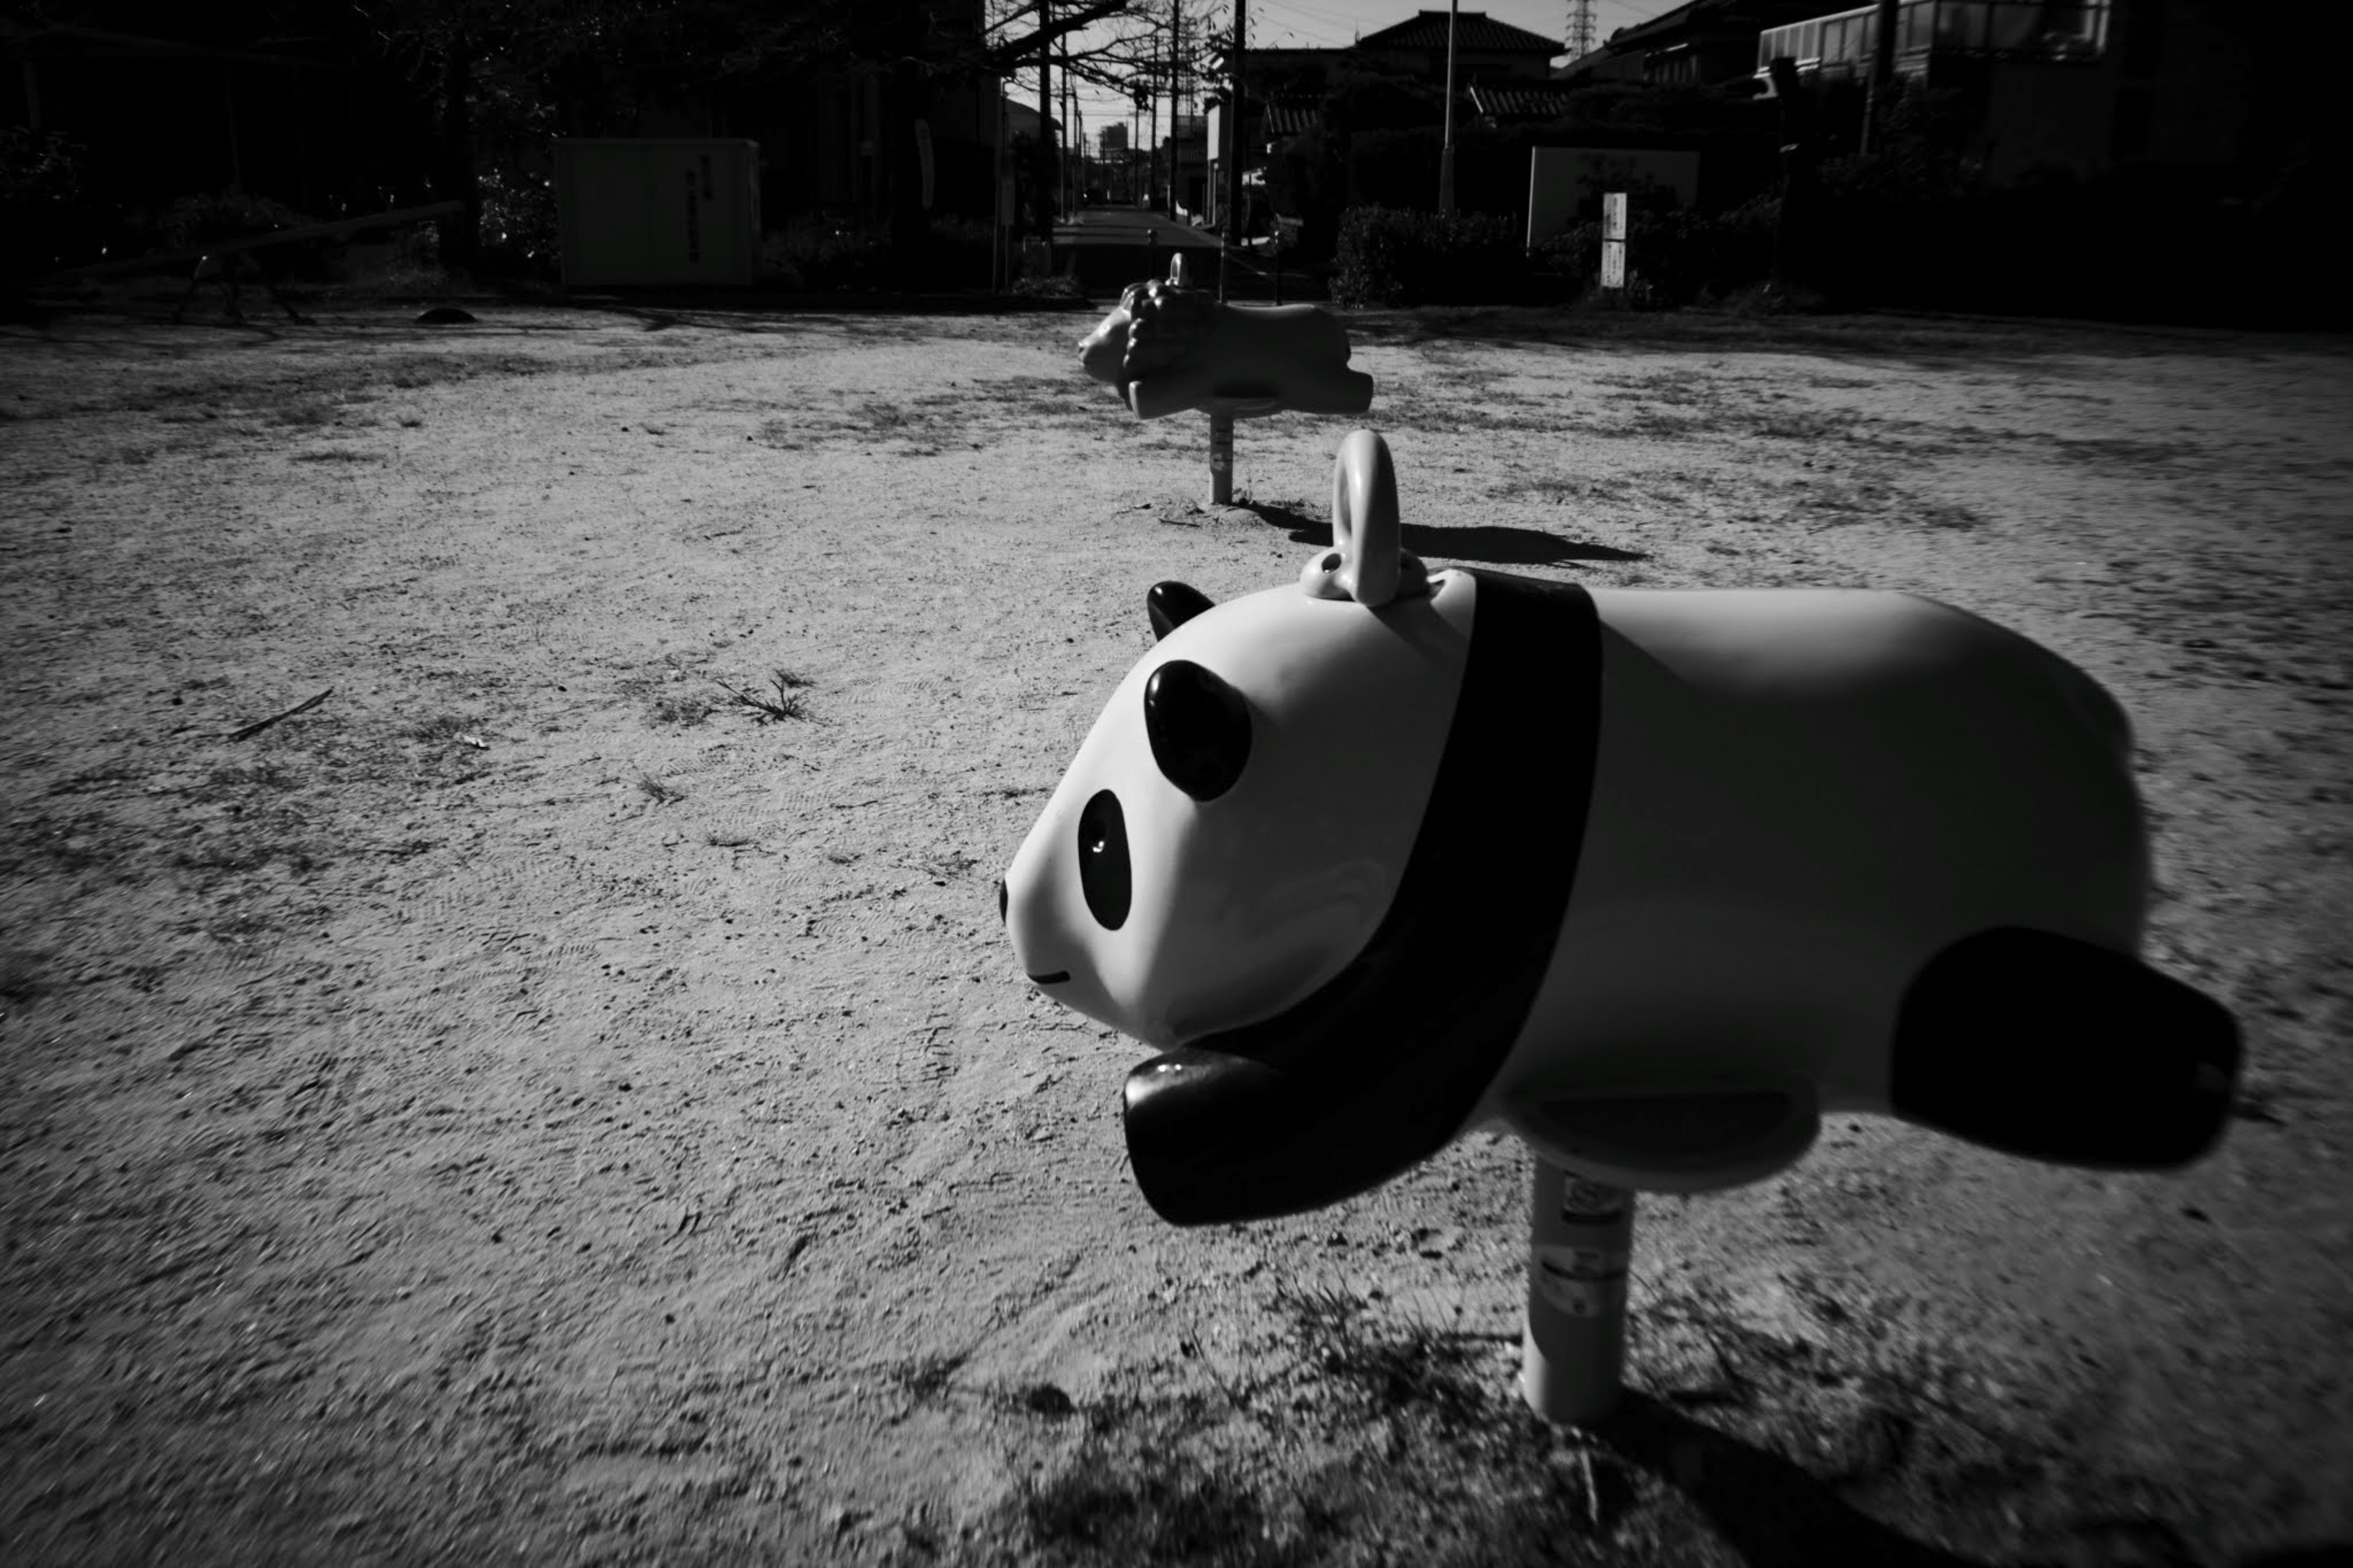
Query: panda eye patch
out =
(1104, 876)
(1199, 728)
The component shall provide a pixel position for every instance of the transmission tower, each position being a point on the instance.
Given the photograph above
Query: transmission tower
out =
(1580, 28)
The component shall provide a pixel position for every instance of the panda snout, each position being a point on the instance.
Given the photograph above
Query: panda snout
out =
(1005, 917)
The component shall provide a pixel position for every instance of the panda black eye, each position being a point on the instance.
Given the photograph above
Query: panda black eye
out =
(1104, 873)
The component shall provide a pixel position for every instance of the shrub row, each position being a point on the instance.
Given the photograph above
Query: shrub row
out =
(1390, 256)
(1673, 258)
(821, 257)
(2096, 251)
(2088, 251)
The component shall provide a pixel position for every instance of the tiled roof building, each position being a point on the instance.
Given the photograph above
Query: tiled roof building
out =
(1474, 30)
(1485, 48)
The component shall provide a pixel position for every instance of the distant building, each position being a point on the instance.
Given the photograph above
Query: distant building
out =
(1184, 151)
(1485, 49)
(1703, 44)
(2217, 95)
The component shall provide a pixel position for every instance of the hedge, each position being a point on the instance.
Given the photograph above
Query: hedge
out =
(1390, 256)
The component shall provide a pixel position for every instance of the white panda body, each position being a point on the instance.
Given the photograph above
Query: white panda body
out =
(1652, 877)
(1799, 797)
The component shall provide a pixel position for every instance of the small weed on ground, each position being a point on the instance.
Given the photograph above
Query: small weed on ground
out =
(782, 700)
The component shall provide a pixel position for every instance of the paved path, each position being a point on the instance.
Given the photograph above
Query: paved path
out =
(1111, 247)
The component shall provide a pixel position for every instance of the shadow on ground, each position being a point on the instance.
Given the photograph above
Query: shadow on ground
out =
(1496, 545)
(1768, 1510)
(1930, 340)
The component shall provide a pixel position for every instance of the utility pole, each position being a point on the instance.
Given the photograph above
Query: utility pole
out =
(1176, 99)
(1883, 72)
(1793, 234)
(1152, 127)
(1237, 112)
(1042, 191)
(1446, 150)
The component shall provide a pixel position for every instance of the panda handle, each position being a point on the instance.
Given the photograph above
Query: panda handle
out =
(1368, 562)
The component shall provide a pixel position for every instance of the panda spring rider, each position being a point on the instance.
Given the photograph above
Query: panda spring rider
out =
(1653, 877)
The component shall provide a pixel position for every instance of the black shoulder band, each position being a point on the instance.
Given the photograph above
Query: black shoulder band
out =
(1375, 1070)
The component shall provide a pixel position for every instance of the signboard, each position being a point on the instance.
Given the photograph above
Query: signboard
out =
(1613, 240)
(655, 210)
(1566, 185)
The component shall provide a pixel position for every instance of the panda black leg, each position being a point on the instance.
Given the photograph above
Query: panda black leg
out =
(2055, 1050)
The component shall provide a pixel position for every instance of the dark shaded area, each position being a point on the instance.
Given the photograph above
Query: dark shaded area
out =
(877, 315)
(1175, 1511)
(739, 313)
(1933, 340)
(1494, 543)
(1773, 1512)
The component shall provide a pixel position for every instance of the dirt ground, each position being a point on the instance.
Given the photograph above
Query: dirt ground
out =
(540, 1103)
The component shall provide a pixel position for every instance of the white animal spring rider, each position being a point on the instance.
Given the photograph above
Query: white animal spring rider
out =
(1651, 878)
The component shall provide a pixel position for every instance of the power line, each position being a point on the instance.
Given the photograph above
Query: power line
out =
(1311, 14)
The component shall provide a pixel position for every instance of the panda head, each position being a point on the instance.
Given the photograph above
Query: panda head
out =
(1232, 830)
(1288, 856)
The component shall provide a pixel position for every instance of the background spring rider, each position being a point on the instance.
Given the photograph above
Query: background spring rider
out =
(1170, 348)
(1652, 879)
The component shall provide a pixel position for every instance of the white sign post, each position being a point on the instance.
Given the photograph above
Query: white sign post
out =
(1613, 240)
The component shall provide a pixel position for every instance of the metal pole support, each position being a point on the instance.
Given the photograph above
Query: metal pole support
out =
(1221, 459)
(1580, 1236)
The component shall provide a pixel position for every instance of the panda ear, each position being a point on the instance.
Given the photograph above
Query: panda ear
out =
(1171, 604)
(1199, 728)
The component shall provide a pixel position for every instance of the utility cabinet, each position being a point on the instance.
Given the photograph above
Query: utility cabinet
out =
(655, 210)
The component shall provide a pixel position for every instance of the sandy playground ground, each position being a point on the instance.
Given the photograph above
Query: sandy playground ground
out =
(541, 1103)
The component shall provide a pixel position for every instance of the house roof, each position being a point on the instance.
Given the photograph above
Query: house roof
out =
(1719, 15)
(1290, 119)
(1020, 119)
(1523, 100)
(1474, 30)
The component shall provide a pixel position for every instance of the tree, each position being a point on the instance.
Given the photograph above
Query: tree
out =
(591, 62)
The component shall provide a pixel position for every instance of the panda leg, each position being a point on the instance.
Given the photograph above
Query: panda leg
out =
(2056, 1050)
